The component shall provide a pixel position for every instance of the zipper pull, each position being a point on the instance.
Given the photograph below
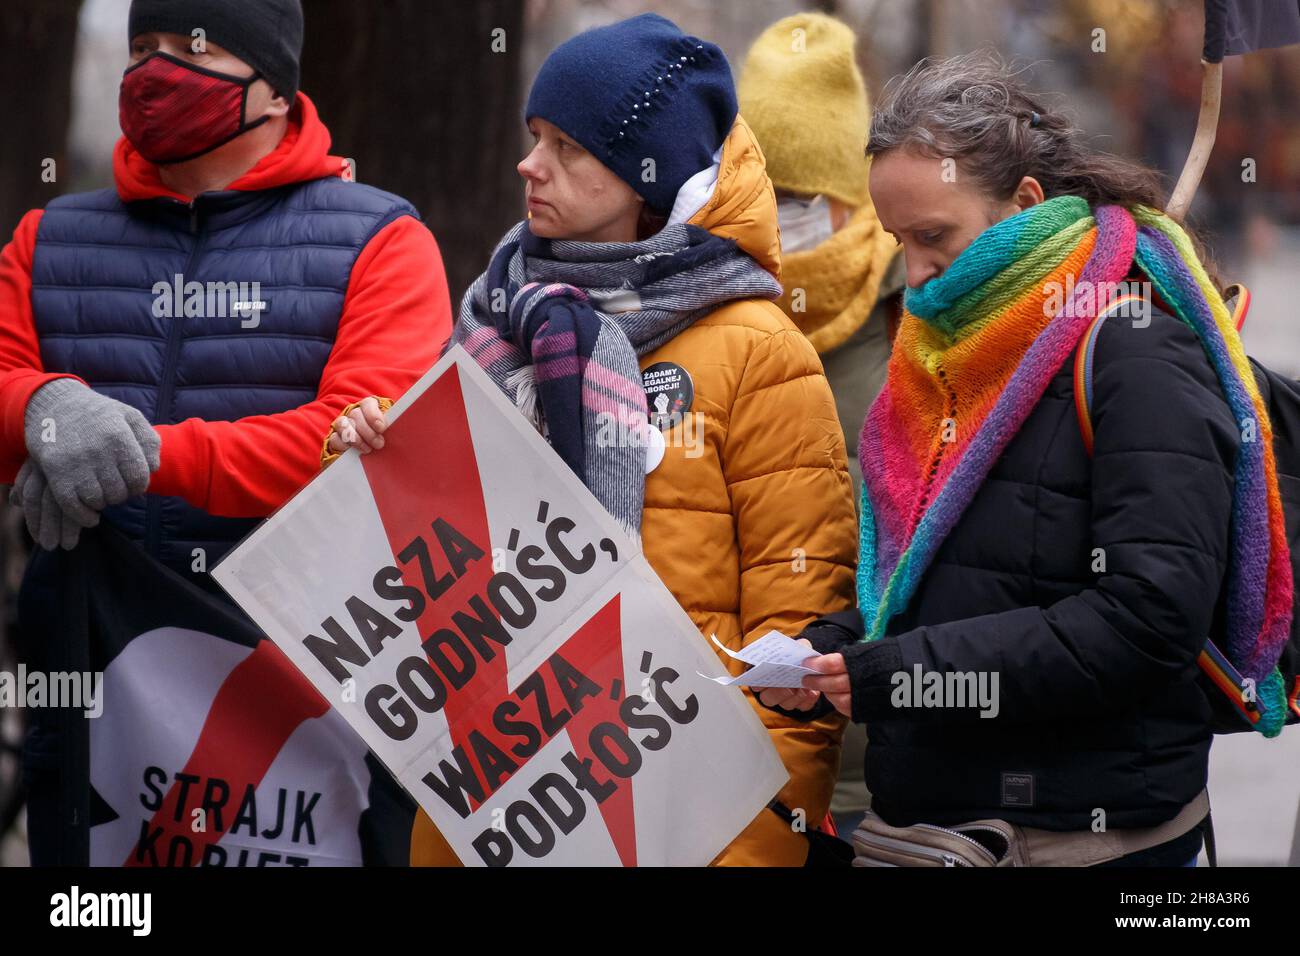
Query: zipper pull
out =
(949, 860)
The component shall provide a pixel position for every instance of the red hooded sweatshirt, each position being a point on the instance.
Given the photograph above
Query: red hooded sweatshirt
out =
(396, 318)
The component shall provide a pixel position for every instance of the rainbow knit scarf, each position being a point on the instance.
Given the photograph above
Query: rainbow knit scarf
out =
(975, 351)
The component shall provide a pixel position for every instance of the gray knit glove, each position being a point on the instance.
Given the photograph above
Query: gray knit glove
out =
(93, 451)
(45, 519)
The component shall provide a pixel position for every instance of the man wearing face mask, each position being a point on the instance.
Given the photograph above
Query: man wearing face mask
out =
(170, 348)
(802, 94)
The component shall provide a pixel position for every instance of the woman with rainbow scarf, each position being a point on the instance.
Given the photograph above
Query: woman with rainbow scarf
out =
(1065, 596)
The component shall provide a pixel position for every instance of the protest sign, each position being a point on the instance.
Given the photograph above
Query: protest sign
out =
(203, 745)
(502, 646)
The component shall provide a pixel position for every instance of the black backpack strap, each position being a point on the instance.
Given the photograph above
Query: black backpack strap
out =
(1206, 827)
(824, 849)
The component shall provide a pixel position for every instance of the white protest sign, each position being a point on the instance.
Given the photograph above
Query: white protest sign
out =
(501, 645)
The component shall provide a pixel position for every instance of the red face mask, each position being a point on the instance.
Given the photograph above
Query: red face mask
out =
(172, 111)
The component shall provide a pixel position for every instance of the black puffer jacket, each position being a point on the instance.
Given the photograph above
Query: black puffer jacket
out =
(1098, 705)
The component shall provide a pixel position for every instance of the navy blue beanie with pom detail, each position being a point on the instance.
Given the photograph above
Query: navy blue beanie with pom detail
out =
(640, 90)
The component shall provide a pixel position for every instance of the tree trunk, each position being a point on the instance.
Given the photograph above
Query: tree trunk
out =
(37, 39)
(421, 96)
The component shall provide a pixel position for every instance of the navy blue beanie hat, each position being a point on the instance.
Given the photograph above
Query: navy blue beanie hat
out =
(636, 90)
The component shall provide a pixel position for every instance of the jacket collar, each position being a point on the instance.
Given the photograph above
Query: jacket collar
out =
(302, 155)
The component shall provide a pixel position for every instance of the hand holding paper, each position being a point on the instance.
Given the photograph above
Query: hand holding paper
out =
(776, 661)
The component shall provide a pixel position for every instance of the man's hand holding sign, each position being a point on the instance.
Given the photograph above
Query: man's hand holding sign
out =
(502, 646)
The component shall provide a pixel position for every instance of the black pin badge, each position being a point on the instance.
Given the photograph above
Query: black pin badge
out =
(669, 393)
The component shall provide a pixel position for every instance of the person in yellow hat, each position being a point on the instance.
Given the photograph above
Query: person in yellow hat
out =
(802, 94)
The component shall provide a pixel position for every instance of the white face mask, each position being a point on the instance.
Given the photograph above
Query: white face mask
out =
(805, 223)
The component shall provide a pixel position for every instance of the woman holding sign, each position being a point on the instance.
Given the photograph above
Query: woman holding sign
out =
(642, 282)
(1049, 535)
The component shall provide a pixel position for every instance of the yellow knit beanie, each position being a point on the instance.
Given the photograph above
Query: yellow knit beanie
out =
(802, 94)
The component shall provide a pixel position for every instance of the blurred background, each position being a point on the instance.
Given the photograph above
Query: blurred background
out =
(426, 97)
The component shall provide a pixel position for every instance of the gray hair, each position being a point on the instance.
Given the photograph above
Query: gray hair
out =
(977, 110)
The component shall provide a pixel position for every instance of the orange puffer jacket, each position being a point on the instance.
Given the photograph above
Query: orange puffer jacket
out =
(749, 520)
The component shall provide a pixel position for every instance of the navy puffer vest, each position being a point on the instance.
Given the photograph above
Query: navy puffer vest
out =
(104, 285)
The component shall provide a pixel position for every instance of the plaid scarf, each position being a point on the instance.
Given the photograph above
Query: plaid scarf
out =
(560, 325)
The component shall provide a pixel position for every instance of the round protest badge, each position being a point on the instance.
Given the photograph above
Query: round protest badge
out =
(654, 449)
(669, 393)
